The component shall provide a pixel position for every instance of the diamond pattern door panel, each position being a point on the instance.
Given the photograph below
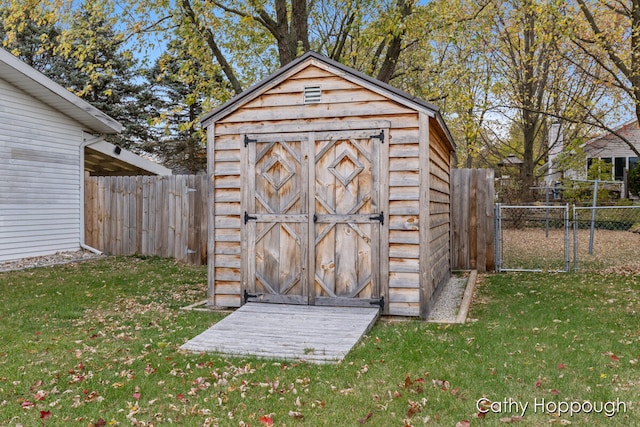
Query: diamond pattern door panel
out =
(277, 220)
(345, 199)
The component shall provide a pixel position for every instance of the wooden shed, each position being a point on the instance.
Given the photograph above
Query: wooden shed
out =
(328, 187)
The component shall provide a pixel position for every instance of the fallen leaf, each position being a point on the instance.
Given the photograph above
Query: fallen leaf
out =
(513, 419)
(538, 383)
(266, 420)
(561, 366)
(407, 382)
(297, 415)
(414, 408)
(40, 395)
(136, 396)
(100, 423)
(365, 419)
(614, 358)
(45, 414)
(463, 423)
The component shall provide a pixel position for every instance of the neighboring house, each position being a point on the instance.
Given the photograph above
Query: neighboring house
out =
(328, 188)
(46, 134)
(612, 149)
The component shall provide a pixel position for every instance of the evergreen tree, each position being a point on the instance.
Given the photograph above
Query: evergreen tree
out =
(99, 68)
(29, 35)
(177, 100)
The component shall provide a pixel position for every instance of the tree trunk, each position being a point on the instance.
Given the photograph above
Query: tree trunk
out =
(289, 35)
(215, 49)
(394, 49)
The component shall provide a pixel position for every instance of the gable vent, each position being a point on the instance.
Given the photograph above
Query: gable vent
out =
(312, 94)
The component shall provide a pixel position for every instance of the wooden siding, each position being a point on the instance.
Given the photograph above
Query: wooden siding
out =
(149, 215)
(39, 177)
(344, 105)
(439, 213)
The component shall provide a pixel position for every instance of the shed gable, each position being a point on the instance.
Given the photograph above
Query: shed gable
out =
(339, 98)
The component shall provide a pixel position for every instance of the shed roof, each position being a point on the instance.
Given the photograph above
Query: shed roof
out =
(314, 58)
(49, 92)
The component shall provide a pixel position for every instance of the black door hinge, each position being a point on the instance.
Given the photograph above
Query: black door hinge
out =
(379, 302)
(378, 218)
(248, 217)
(379, 136)
(248, 140)
(315, 218)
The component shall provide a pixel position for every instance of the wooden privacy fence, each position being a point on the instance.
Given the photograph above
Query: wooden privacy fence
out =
(472, 217)
(167, 216)
(148, 215)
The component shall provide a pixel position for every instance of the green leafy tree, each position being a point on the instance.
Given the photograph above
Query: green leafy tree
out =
(180, 140)
(30, 34)
(633, 179)
(100, 69)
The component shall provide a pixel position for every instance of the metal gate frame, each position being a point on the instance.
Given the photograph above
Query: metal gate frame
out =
(498, 236)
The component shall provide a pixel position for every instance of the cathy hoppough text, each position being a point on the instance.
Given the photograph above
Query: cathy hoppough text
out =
(512, 406)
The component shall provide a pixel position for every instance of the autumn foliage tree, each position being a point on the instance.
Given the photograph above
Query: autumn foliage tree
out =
(501, 70)
(608, 32)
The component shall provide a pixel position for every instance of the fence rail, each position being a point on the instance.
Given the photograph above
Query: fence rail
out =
(148, 215)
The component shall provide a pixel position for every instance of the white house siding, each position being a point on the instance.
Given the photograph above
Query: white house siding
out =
(39, 177)
(613, 150)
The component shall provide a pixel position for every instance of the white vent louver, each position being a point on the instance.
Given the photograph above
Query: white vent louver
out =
(312, 94)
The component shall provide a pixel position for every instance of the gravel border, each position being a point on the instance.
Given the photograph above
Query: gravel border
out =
(47, 260)
(453, 302)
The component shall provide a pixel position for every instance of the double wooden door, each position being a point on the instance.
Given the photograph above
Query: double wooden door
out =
(312, 218)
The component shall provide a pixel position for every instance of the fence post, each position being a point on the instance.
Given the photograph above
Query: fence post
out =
(497, 227)
(575, 239)
(593, 216)
(567, 256)
(546, 228)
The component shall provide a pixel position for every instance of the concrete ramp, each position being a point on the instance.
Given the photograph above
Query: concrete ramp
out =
(316, 334)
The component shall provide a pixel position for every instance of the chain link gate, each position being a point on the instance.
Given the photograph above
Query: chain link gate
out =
(532, 238)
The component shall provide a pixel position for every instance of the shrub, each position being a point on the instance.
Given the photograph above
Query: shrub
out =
(633, 179)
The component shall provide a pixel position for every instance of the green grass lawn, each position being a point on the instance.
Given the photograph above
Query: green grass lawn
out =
(97, 344)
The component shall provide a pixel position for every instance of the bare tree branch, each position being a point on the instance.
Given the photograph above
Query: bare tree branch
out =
(211, 42)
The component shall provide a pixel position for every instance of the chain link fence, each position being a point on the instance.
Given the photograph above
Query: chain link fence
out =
(606, 237)
(562, 239)
(532, 238)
